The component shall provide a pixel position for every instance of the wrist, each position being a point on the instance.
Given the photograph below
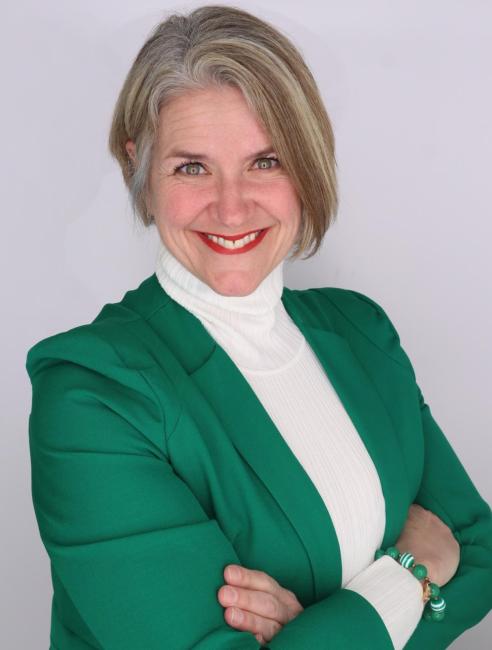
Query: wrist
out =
(423, 554)
(435, 604)
(431, 563)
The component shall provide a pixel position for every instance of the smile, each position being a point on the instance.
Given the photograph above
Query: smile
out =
(231, 245)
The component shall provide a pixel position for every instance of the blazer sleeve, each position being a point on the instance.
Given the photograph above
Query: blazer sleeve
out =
(447, 490)
(136, 562)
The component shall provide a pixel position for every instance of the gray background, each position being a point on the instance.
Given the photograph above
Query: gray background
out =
(408, 89)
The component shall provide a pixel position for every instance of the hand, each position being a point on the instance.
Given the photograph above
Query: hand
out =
(261, 605)
(432, 544)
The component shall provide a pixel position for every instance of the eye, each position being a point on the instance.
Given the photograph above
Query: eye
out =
(268, 160)
(265, 163)
(194, 164)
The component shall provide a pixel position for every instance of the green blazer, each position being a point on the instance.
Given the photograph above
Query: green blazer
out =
(154, 465)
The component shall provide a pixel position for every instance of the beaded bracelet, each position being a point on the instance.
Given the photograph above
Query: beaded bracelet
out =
(435, 603)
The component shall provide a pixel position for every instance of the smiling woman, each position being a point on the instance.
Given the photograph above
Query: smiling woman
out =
(234, 191)
(220, 462)
(235, 62)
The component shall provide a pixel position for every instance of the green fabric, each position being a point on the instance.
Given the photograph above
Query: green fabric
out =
(154, 465)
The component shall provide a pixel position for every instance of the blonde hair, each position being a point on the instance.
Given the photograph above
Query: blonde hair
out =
(224, 45)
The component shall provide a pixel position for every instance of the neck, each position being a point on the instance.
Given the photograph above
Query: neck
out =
(254, 329)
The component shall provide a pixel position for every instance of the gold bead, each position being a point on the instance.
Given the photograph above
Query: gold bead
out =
(426, 589)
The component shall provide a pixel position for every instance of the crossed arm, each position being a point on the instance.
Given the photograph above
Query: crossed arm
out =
(136, 560)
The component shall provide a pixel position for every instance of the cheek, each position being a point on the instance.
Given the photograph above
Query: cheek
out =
(285, 203)
(179, 207)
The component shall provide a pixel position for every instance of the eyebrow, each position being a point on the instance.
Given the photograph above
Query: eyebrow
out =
(175, 153)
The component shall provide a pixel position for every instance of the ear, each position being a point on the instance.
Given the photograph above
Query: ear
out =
(131, 150)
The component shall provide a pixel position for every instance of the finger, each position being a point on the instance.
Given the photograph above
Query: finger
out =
(249, 622)
(261, 581)
(416, 507)
(250, 578)
(260, 603)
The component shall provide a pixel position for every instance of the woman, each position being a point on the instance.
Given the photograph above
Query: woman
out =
(215, 420)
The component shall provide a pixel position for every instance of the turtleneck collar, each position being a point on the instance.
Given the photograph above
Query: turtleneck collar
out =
(178, 280)
(255, 330)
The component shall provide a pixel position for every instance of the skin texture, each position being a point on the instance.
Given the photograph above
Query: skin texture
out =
(230, 192)
(260, 605)
(432, 544)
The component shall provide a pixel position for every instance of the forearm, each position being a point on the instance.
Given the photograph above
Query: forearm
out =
(343, 621)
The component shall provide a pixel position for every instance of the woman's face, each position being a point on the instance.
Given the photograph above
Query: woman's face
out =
(232, 187)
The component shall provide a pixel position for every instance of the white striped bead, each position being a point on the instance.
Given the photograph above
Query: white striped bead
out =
(406, 560)
(438, 605)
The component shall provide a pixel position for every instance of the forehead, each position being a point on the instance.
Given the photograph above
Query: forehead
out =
(212, 114)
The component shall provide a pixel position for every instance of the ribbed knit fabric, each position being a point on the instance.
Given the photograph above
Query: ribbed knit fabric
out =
(288, 379)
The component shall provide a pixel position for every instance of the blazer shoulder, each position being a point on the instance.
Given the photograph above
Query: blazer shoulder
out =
(351, 312)
(101, 362)
(105, 364)
(104, 342)
(87, 345)
(357, 307)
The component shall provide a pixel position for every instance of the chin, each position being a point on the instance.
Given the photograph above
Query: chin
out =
(235, 286)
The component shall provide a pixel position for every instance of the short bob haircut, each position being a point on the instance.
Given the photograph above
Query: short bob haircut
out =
(224, 45)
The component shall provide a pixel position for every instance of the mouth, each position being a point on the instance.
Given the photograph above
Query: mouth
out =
(232, 237)
(227, 244)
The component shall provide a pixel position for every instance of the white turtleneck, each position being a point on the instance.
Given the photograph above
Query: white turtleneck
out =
(286, 376)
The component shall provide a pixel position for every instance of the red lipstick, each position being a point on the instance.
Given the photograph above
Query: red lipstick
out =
(231, 237)
(231, 251)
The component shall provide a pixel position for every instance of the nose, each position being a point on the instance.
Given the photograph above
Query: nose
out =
(233, 205)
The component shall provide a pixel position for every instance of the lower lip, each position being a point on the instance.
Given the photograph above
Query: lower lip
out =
(231, 251)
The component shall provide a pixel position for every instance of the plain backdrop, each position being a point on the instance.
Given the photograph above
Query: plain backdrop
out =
(408, 88)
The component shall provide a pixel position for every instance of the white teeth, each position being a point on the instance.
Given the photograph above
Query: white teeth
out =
(239, 243)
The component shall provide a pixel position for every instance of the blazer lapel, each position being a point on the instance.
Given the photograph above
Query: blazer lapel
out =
(362, 401)
(370, 417)
(262, 446)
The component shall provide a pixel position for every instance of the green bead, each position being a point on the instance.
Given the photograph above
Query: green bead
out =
(419, 571)
(379, 553)
(434, 590)
(437, 616)
(393, 552)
